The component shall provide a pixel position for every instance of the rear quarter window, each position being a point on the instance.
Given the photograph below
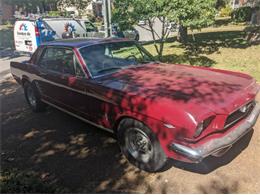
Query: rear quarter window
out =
(62, 60)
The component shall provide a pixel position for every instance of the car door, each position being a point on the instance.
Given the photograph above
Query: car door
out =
(63, 83)
(52, 75)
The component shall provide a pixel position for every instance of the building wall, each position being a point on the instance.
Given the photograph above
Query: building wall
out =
(7, 11)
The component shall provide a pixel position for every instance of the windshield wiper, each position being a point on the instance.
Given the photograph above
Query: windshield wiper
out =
(108, 69)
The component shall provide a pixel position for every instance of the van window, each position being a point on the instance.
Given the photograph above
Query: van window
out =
(90, 27)
(58, 60)
(66, 26)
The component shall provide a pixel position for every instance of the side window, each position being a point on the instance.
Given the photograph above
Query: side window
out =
(58, 60)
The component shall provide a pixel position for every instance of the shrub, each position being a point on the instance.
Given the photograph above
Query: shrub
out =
(225, 11)
(242, 14)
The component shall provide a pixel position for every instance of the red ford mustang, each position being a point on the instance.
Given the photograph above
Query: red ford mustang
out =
(158, 111)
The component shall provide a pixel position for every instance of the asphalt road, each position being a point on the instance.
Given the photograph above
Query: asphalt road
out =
(6, 57)
(82, 159)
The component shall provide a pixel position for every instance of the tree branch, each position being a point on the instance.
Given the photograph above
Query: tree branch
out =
(144, 27)
(153, 35)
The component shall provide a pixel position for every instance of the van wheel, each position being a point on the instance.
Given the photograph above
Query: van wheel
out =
(33, 98)
(140, 145)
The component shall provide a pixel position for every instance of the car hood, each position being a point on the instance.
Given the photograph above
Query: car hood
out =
(194, 89)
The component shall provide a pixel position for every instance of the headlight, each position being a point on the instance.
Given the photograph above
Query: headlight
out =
(202, 126)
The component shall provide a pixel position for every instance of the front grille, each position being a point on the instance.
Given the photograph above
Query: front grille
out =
(238, 115)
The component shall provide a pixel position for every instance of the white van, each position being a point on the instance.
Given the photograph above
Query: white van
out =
(29, 34)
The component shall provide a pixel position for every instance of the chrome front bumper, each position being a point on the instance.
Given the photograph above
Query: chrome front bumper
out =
(215, 145)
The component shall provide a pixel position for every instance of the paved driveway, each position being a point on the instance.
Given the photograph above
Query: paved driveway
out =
(81, 158)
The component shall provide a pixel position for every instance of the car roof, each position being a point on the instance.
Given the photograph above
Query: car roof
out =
(83, 42)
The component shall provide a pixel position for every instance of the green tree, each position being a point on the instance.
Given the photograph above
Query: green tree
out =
(193, 14)
(190, 13)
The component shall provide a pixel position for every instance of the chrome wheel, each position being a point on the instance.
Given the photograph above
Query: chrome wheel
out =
(31, 96)
(138, 144)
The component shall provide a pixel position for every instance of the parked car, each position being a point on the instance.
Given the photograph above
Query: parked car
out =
(158, 111)
(30, 33)
(132, 33)
(93, 31)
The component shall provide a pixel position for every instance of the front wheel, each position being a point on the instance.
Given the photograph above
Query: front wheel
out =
(140, 145)
(33, 98)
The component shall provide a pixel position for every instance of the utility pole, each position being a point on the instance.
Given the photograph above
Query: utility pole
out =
(107, 17)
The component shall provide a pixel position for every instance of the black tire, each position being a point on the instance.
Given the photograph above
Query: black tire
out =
(156, 157)
(29, 91)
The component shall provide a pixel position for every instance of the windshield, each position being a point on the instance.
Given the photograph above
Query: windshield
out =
(111, 57)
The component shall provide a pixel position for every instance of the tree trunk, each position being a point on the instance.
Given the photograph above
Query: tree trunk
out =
(182, 34)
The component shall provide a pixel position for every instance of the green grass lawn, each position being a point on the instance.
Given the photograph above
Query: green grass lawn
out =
(223, 47)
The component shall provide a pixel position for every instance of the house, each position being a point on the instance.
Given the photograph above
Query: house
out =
(237, 3)
(255, 19)
(93, 8)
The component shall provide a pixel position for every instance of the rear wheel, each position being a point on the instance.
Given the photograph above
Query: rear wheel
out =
(140, 145)
(33, 98)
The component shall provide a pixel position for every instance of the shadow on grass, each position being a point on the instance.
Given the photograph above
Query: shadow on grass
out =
(196, 51)
(210, 42)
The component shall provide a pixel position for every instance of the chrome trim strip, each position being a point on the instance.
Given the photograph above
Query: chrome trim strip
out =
(79, 117)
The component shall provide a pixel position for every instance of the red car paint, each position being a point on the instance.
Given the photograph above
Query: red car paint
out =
(157, 94)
